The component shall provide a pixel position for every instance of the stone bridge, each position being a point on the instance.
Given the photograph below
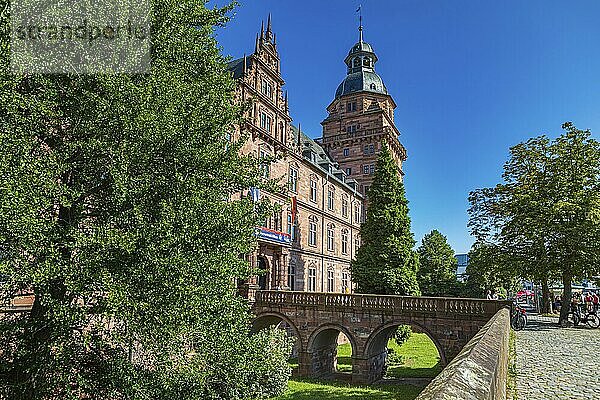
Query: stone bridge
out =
(316, 319)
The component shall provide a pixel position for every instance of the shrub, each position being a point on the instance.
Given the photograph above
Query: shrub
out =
(402, 334)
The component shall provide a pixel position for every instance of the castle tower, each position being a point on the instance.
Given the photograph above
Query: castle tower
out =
(361, 118)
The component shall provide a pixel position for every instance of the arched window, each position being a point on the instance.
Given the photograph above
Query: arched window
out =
(367, 62)
(373, 86)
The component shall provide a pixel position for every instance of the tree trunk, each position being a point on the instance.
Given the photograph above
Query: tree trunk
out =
(546, 305)
(567, 278)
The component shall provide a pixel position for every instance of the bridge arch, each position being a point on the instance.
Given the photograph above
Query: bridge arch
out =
(322, 348)
(273, 318)
(377, 341)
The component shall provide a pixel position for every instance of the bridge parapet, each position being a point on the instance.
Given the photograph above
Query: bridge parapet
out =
(366, 302)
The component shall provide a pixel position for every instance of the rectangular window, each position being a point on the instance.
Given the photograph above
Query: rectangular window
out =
(356, 214)
(330, 239)
(348, 171)
(266, 88)
(268, 127)
(330, 280)
(345, 283)
(277, 221)
(292, 276)
(365, 169)
(293, 179)
(263, 120)
(312, 279)
(344, 207)
(351, 107)
(344, 242)
(346, 152)
(351, 128)
(371, 169)
(291, 229)
(313, 190)
(371, 149)
(330, 204)
(312, 234)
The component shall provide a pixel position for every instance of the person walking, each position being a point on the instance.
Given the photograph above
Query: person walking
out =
(595, 300)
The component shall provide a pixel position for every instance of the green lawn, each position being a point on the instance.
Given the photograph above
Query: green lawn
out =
(310, 389)
(419, 359)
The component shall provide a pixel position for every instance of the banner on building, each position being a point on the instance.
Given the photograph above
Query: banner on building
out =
(273, 236)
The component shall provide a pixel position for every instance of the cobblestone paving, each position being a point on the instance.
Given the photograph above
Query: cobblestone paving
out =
(557, 363)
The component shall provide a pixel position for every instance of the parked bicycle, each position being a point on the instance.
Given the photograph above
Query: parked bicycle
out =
(586, 317)
(518, 317)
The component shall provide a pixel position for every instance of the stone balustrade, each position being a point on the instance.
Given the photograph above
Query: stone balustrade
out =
(365, 302)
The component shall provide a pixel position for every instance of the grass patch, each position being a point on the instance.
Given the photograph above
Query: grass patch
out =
(311, 389)
(420, 358)
(511, 382)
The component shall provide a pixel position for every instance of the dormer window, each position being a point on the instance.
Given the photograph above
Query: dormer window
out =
(356, 63)
(373, 86)
(367, 62)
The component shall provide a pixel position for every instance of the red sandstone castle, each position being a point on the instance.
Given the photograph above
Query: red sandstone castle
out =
(308, 245)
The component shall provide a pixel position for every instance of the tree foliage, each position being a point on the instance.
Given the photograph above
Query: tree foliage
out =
(437, 266)
(386, 262)
(114, 213)
(487, 271)
(545, 217)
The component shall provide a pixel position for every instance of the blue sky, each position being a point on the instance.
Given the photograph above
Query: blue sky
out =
(470, 77)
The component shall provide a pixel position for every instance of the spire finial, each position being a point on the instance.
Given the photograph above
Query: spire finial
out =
(287, 107)
(256, 45)
(269, 24)
(262, 29)
(360, 26)
(245, 64)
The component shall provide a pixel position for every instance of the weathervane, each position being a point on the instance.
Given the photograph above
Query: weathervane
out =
(360, 27)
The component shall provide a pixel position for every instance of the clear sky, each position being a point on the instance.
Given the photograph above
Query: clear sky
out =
(471, 78)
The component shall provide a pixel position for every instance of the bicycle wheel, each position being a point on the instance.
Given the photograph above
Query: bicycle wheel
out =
(519, 323)
(593, 321)
(573, 319)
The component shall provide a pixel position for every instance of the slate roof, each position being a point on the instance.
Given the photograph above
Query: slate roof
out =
(237, 67)
(316, 155)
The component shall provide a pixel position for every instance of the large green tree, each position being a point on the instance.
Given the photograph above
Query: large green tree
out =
(437, 266)
(545, 217)
(386, 262)
(114, 212)
(488, 270)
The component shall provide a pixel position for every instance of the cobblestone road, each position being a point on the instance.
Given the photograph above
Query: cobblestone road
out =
(557, 363)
